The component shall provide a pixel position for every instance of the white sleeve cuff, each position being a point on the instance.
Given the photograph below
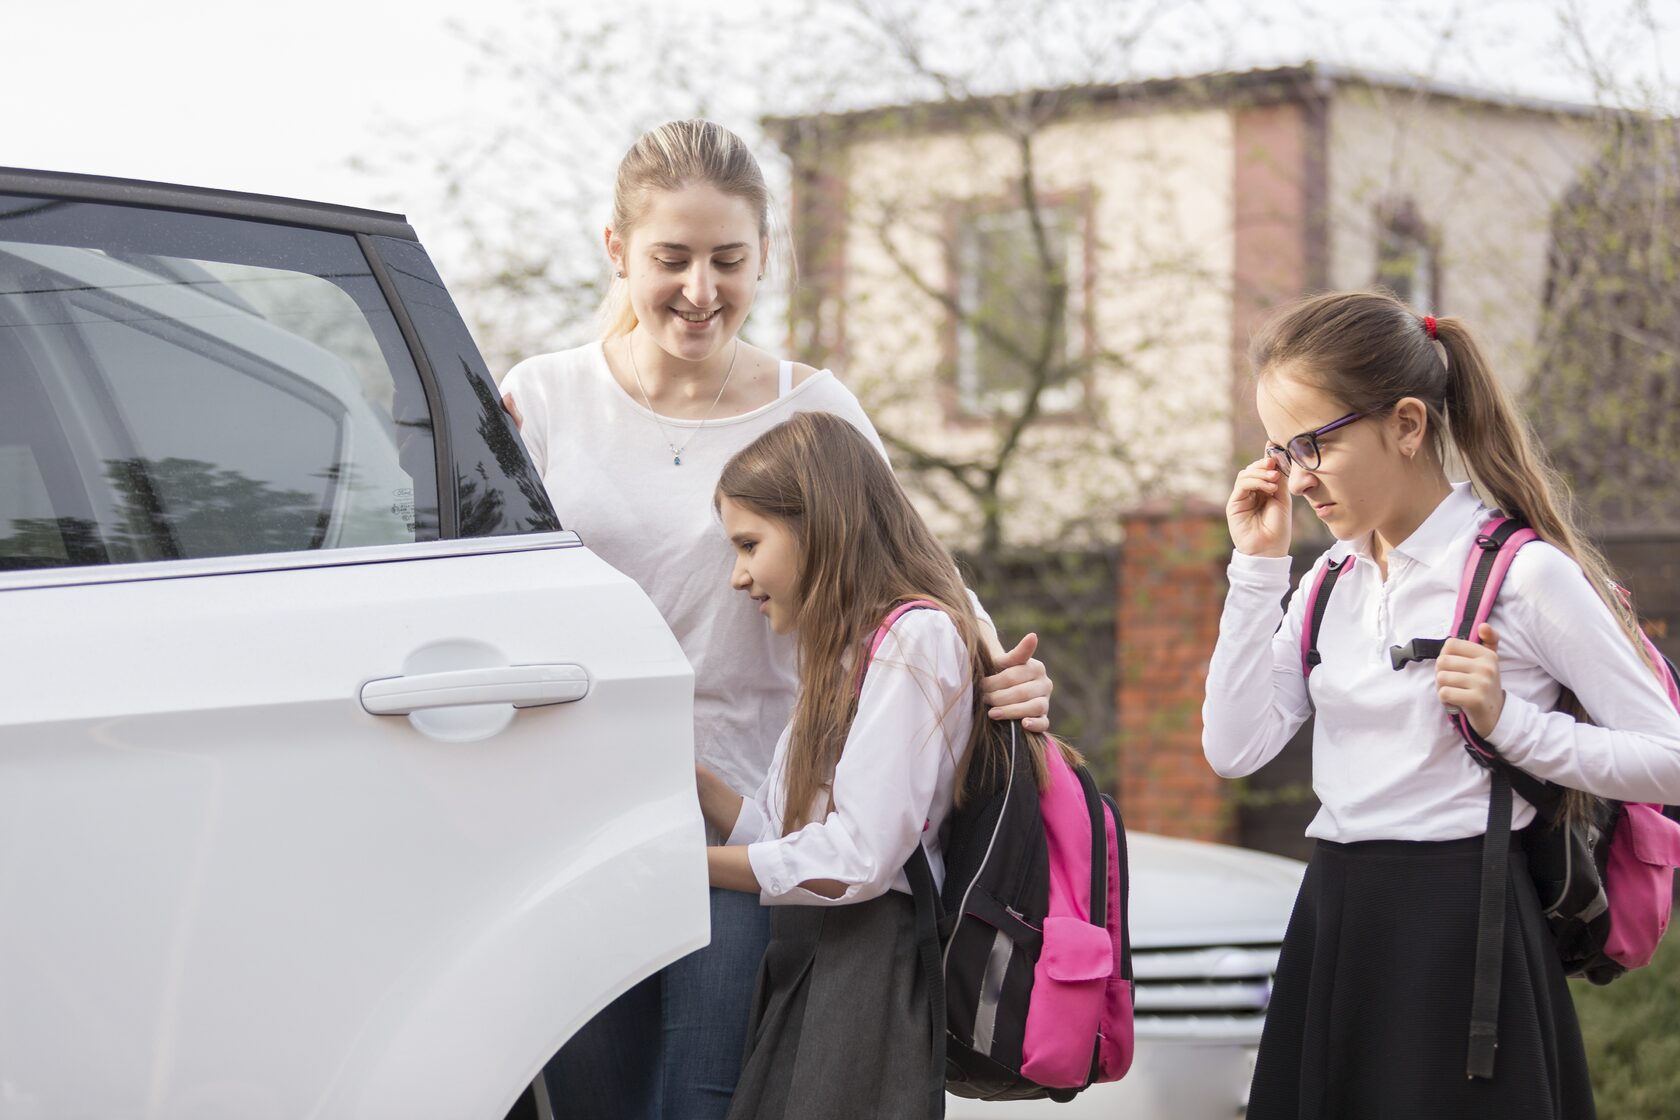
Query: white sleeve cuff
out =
(1509, 731)
(1259, 571)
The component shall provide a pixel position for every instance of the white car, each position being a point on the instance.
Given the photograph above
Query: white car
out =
(1206, 923)
(337, 779)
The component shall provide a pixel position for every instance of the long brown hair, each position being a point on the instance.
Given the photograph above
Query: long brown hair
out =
(672, 156)
(863, 549)
(1368, 351)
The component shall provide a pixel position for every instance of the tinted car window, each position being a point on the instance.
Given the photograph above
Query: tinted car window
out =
(496, 487)
(253, 397)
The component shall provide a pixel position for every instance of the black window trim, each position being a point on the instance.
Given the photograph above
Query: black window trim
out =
(449, 502)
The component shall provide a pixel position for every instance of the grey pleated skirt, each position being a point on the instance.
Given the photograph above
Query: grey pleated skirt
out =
(840, 1026)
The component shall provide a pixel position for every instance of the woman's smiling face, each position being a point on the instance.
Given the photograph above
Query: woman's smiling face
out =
(692, 262)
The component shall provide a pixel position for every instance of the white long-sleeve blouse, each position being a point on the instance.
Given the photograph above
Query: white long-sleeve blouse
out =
(893, 785)
(1386, 762)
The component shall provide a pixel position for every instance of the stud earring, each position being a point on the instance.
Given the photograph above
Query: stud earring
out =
(621, 274)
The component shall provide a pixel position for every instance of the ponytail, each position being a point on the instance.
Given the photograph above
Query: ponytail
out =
(616, 316)
(1506, 462)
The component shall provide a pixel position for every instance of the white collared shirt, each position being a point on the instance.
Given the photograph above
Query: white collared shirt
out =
(1386, 762)
(894, 782)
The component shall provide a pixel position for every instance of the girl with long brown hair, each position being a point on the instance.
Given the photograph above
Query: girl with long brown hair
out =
(630, 431)
(1367, 405)
(826, 546)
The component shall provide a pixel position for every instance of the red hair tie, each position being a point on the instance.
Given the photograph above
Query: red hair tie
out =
(1429, 326)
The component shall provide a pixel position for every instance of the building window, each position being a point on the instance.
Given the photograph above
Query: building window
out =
(1005, 295)
(1407, 264)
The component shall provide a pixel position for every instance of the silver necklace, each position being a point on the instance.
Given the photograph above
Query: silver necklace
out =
(676, 452)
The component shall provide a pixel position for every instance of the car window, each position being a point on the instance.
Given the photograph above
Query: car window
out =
(497, 490)
(182, 386)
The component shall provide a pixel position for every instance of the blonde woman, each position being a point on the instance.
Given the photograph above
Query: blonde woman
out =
(630, 434)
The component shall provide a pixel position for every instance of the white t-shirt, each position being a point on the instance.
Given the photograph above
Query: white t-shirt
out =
(1387, 765)
(608, 470)
(894, 782)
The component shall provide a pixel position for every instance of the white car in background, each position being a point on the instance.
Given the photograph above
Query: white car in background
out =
(1206, 924)
(337, 779)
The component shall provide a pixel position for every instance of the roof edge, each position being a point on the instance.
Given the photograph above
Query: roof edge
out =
(1309, 80)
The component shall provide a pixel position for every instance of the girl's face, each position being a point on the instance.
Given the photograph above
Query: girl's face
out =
(1355, 488)
(692, 264)
(766, 563)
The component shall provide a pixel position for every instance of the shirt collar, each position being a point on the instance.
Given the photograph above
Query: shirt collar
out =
(1459, 514)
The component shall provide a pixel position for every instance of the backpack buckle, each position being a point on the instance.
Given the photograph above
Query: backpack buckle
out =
(1418, 649)
(1486, 543)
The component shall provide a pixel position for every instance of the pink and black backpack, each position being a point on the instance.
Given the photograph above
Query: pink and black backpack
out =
(1606, 884)
(1026, 949)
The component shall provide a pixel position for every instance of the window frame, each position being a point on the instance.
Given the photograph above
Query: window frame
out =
(1399, 223)
(1080, 329)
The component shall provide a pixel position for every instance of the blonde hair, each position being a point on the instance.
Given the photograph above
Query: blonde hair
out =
(863, 549)
(670, 157)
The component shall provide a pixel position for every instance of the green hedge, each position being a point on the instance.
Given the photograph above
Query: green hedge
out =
(1632, 1031)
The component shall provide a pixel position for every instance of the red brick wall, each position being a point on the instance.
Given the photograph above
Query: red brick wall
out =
(1172, 587)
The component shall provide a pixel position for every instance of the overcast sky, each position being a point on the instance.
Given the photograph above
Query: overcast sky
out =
(282, 98)
(279, 97)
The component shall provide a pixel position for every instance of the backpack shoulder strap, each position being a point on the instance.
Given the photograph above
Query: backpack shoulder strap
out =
(1313, 617)
(885, 628)
(1484, 573)
(920, 875)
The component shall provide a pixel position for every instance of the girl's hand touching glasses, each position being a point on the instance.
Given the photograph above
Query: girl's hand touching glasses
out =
(1258, 512)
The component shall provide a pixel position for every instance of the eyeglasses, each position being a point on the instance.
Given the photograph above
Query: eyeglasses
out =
(1303, 449)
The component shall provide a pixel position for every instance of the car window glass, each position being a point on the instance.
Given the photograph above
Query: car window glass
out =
(497, 489)
(157, 407)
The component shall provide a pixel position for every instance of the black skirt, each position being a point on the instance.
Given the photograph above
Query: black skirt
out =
(840, 1026)
(1370, 1014)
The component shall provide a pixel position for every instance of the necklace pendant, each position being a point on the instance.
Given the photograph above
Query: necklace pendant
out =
(676, 460)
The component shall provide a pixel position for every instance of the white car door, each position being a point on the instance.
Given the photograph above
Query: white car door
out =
(335, 778)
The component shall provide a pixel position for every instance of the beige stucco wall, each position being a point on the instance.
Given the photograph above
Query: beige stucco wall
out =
(1483, 177)
(1160, 205)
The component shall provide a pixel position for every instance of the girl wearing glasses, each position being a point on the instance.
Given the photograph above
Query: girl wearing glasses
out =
(1364, 402)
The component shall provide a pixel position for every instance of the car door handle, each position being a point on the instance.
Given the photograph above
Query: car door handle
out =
(523, 686)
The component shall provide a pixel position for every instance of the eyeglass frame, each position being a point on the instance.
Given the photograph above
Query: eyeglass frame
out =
(1289, 457)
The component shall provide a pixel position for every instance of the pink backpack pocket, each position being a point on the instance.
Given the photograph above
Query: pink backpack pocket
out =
(1639, 881)
(1067, 1002)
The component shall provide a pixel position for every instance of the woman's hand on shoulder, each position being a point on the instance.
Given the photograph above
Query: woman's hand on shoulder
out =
(1258, 510)
(513, 411)
(1467, 678)
(1021, 687)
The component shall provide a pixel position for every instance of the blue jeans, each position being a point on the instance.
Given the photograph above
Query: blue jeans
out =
(670, 1048)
